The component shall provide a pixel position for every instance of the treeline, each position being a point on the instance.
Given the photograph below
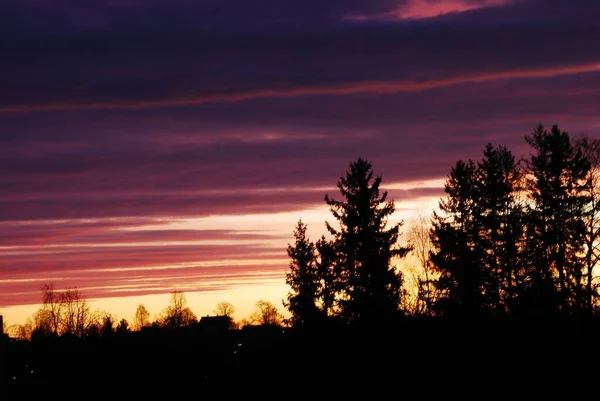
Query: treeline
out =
(68, 312)
(513, 237)
(171, 357)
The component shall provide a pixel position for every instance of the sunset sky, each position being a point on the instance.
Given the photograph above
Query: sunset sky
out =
(155, 145)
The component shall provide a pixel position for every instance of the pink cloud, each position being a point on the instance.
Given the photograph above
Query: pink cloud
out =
(355, 88)
(107, 231)
(94, 285)
(31, 261)
(434, 8)
(419, 9)
(104, 269)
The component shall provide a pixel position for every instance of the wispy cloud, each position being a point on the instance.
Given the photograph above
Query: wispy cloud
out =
(355, 88)
(419, 9)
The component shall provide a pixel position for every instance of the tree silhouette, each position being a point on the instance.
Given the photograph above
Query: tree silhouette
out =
(329, 274)
(265, 314)
(365, 247)
(77, 314)
(458, 254)
(224, 309)
(43, 325)
(590, 148)
(501, 225)
(108, 326)
(19, 331)
(123, 326)
(477, 236)
(425, 277)
(177, 314)
(65, 312)
(52, 305)
(558, 183)
(303, 279)
(142, 317)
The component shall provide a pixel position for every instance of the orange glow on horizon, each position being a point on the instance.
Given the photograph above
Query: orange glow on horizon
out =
(202, 303)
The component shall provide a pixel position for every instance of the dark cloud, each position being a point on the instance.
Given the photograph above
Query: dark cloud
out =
(163, 15)
(157, 205)
(198, 161)
(134, 68)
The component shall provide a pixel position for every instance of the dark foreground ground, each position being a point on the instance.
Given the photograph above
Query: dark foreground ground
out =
(420, 359)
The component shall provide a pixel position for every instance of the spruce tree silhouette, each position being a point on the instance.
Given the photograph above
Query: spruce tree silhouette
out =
(458, 253)
(559, 189)
(329, 275)
(303, 279)
(365, 246)
(501, 233)
(478, 237)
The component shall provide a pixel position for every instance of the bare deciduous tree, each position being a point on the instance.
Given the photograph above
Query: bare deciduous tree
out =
(20, 331)
(224, 309)
(142, 318)
(64, 312)
(265, 313)
(423, 276)
(52, 305)
(177, 314)
(76, 314)
(43, 322)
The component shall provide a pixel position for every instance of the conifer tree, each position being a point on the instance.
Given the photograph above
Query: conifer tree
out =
(303, 279)
(477, 236)
(329, 274)
(458, 252)
(365, 246)
(501, 232)
(559, 189)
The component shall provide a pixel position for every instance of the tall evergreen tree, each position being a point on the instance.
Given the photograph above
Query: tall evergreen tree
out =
(365, 246)
(501, 224)
(458, 254)
(303, 279)
(590, 148)
(558, 186)
(478, 236)
(329, 273)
